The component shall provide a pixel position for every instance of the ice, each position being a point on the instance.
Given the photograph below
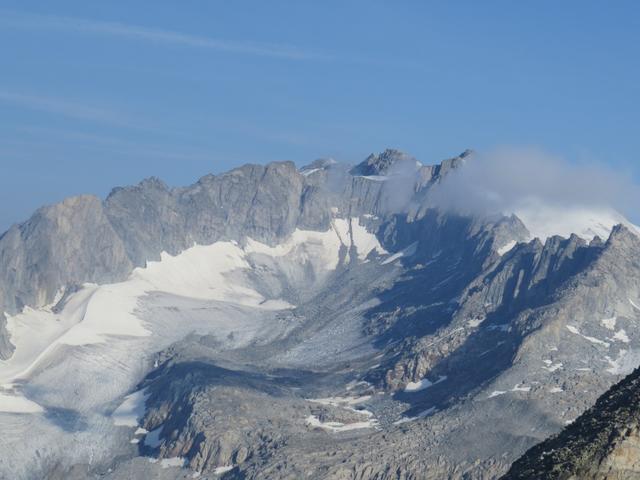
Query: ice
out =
(131, 411)
(556, 390)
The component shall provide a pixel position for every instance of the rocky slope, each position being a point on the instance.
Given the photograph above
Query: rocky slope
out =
(603, 443)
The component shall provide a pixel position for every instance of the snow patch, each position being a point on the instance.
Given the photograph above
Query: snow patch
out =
(476, 322)
(315, 422)
(375, 178)
(507, 248)
(423, 384)
(597, 341)
(609, 323)
(551, 367)
(223, 469)
(496, 393)
(625, 363)
(521, 388)
(406, 252)
(621, 335)
(18, 404)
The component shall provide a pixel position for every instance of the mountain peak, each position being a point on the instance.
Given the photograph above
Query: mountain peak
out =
(379, 164)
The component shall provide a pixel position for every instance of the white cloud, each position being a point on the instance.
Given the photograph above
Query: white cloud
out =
(506, 178)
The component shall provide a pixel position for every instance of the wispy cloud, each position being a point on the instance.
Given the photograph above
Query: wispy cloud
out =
(155, 35)
(63, 107)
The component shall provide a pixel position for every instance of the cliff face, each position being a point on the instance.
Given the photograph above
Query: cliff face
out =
(602, 444)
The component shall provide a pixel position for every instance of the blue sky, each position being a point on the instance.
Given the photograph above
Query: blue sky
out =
(98, 94)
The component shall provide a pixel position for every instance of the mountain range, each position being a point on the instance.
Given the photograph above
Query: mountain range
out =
(333, 321)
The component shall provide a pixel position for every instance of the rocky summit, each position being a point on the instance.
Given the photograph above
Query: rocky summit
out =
(324, 322)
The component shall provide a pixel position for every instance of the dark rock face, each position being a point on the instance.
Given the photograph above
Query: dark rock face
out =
(603, 443)
(61, 245)
(381, 164)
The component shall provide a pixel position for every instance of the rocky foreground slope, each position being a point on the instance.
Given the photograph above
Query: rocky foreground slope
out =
(328, 322)
(602, 444)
